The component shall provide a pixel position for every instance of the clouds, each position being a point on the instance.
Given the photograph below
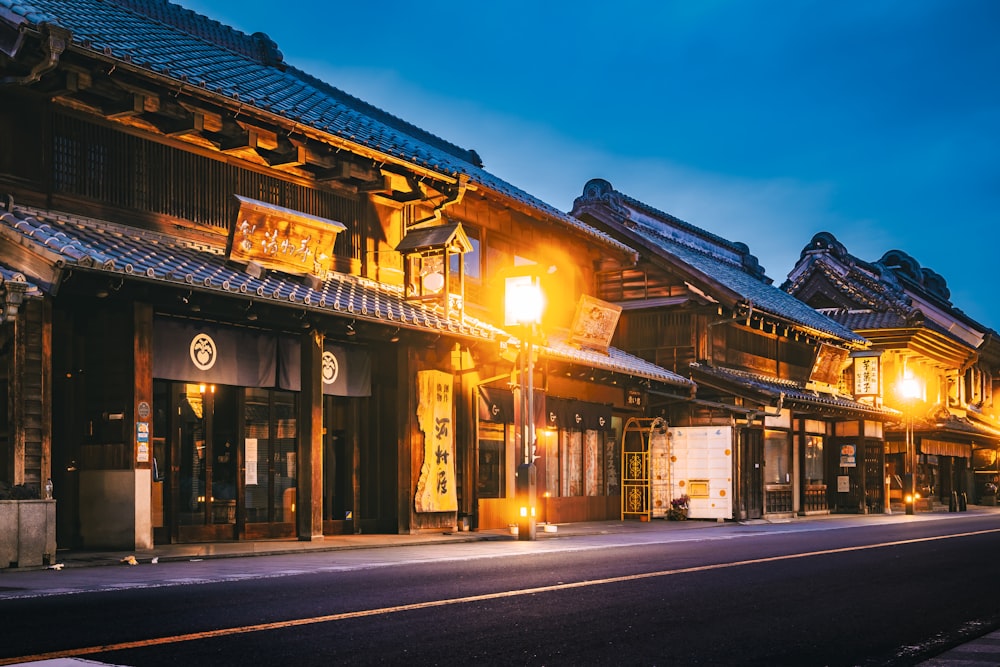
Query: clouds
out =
(762, 122)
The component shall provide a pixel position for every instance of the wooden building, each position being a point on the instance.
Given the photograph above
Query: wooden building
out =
(949, 361)
(240, 303)
(773, 376)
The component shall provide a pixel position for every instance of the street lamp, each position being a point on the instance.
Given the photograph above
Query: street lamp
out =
(524, 302)
(909, 389)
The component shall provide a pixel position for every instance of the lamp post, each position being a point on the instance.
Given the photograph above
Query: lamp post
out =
(523, 306)
(909, 389)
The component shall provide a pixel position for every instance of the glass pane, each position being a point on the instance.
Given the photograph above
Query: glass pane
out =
(814, 459)
(257, 455)
(572, 463)
(283, 456)
(591, 470)
(777, 464)
(191, 499)
(491, 460)
(222, 447)
(548, 450)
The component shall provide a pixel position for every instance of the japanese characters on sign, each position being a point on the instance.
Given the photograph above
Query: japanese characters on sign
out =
(282, 239)
(436, 486)
(866, 380)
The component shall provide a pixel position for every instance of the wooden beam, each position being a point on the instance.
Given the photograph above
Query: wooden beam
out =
(131, 105)
(309, 493)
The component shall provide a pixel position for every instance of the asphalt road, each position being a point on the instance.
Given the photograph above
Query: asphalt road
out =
(817, 593)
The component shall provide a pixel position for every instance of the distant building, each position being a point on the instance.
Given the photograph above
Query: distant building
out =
(768, 368)
(939, 366)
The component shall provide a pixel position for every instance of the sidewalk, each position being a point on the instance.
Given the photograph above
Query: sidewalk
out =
(163, 553)
(178, 552)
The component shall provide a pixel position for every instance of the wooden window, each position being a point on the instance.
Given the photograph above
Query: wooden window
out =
(128, 172)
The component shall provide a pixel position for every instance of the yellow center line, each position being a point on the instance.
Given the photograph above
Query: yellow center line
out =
(279, 625)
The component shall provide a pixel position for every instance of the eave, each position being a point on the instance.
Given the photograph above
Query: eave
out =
(934, 346)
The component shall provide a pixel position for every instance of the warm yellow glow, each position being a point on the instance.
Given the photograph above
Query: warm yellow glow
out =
(201, 388)
(908, 499)
(523, 300)
(909, 388)
(524, 511)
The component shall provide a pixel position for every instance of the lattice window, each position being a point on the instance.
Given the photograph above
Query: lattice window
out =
(133, 173)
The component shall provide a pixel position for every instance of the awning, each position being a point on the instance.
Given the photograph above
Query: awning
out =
(204, 352)
(942, 448)
(615, 361)
(762, 388)
(63, 242)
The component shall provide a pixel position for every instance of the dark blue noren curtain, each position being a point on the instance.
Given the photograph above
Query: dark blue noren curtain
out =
(574, 415)
(347, 369)
(496, 405)
(191, 351)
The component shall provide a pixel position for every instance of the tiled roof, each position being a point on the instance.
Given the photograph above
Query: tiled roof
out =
(9, 275)
(794, 392)
(889, 284)
(865, 319)
(761, 296)
(731, 265)
(170, 41)
(87, 244)
(615, 360)
(104, 247)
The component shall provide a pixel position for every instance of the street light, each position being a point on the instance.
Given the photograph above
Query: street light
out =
(524, 302)
(909, 389)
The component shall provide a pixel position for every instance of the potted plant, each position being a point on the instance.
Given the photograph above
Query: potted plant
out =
(678, 508)
(27, 527)
(989, 496)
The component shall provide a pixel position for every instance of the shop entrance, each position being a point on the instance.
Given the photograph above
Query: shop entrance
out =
(196, 459)
(224, 462)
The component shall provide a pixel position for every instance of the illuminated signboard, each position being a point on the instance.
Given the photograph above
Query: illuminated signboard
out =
(866, 380)
(594, 323)
(282, 239)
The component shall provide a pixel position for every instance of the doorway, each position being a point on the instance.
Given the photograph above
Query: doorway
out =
(224, 463)
(752, 458)
(197, 480)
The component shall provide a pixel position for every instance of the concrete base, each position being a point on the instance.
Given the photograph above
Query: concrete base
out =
(27, 533)
(115, 509)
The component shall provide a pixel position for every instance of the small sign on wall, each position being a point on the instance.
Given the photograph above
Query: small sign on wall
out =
(843, 483)
(142, 440)
(848, 456)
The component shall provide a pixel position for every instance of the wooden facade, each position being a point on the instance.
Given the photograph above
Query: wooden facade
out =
(125, 185)
(701, 306)
(950, 360)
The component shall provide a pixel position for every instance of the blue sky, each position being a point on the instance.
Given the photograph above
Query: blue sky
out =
(763, 121)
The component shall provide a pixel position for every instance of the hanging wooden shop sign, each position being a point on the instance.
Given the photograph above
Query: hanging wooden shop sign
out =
(281, 239)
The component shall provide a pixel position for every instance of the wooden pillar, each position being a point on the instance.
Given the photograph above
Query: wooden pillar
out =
(30, 374)
(309, 502)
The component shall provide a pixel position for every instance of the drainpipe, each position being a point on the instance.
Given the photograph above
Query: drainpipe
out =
(54, 40)
(449, 200)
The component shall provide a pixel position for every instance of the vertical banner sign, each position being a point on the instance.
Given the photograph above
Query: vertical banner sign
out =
(436, 486)
(866, 380)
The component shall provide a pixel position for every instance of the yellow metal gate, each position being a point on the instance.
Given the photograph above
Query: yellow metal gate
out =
(637, 489)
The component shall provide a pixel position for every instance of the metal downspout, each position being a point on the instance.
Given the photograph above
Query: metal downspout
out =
(54, 42)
